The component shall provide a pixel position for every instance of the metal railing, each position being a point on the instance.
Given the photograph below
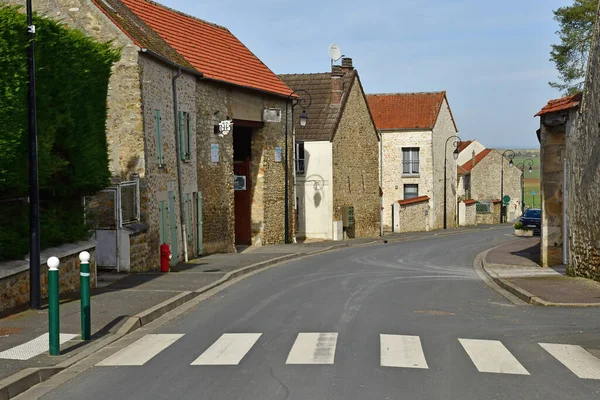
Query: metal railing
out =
(483, 207)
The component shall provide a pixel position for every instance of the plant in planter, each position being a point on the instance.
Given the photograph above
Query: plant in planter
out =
(522, 230)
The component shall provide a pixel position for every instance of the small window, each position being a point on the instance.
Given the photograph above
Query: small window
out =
(410, 160)
(300, 164)
(159, 143)
(184, 136)
(411, 191)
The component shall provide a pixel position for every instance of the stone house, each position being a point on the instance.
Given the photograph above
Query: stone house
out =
(165, 105)
(466, 149)
(415, 129)
(487, 177)
(557, 121)
(583, 172)
(236, 87)
(336, 154)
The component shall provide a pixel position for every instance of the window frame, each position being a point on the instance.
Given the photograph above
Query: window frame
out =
(407, 185)
(412, 161)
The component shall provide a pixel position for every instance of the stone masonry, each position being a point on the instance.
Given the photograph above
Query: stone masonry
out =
(443, 129)
(414, 216)
(356, 165)
(583, 188)
(485, 182)
(215, 179)
(14, 287)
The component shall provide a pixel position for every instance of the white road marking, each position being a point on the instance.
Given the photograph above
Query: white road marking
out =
(313, 348)
(141, 351)
(492, 356)
(402, 351)
(34, 347)
(229, 349)
(575, 358)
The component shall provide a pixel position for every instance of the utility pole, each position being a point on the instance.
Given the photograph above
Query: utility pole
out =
(34, 192)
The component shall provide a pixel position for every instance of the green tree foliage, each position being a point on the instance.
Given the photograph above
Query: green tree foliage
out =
(571, 55)
(72, 73)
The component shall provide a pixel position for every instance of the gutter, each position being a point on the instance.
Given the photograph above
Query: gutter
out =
(172, 64)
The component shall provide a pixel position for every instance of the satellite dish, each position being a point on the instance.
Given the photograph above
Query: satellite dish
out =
(334, 52)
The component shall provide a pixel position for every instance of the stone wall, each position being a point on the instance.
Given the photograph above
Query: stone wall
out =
(393, 179)
(413, 217)
(552, 155)
(14, 275)
(583, 157)
(216, 102)
(138, 250)
(485, 180)
(492, 217)
(356, 165)
(468, 213)
(443, 129)
(160, 180)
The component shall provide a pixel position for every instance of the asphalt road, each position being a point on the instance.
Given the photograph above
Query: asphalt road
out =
(398, 321)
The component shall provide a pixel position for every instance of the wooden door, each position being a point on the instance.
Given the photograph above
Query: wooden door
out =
(243, 203)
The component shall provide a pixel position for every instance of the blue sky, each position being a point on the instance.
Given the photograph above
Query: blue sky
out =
(490, 56)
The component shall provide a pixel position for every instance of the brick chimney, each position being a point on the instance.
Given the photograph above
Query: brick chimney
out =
(347, 65)
(473, 158)
(337, 89)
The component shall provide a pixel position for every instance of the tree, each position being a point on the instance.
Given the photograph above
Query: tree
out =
(571, 55)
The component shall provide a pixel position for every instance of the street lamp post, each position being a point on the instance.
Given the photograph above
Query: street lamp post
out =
(521, 166)
(511, 155)
(456, 143)
(34, 191)
(302, 98)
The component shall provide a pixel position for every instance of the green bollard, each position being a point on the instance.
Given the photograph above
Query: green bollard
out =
(84, 283)
(53, 306)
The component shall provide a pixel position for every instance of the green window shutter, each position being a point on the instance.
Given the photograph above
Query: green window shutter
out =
(188, 202)
(181, 136)
(159, 144)
(162, 222)
(188, 145)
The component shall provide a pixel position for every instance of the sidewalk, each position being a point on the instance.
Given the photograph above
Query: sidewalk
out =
(123, 303)
(515, 267)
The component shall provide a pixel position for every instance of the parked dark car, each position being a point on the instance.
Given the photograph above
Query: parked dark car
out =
(532, 218)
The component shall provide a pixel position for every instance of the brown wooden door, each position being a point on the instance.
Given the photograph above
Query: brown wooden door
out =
(243, 204)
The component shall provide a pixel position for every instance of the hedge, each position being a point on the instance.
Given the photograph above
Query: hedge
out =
(72, 73)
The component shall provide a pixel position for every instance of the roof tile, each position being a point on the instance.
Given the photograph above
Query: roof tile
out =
(406, 110)
(211, 49)
(564, 103)
(413, 200)
(468, 166)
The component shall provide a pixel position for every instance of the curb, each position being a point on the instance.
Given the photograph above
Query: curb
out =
(524, 294)
(29, 377)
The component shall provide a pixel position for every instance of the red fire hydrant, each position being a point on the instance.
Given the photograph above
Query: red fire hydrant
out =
(165, 256)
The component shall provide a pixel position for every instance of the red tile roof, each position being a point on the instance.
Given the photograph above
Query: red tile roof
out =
(211, 49)
(564, 103)
(464, 145)
(469, 202)
(406, 110)
(468, 166)
(413, 200)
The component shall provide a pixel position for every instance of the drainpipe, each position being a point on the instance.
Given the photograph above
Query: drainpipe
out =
(565, 242)
(178, 151)
(294, 155)
(381, 184)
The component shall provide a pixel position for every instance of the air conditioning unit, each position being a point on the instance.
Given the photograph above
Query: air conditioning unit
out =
(272, 115)
(239, 182)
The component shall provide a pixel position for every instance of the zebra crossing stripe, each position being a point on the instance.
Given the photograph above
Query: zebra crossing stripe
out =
(313, 348)
(402, 351)
(491, 356)
(229, 349)
(575, 358)
(35, 347)
(141, 351)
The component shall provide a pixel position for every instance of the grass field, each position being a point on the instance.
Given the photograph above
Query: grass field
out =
(532, 180)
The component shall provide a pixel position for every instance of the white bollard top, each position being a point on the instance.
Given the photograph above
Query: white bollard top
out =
(53, 263)
(84, 257)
